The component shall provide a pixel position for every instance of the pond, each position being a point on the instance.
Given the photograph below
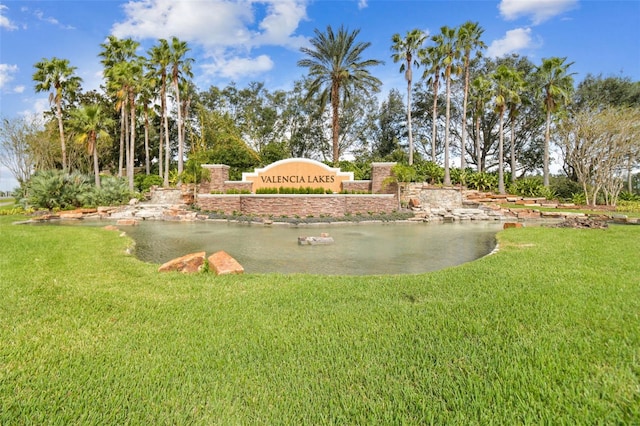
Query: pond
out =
(358, 249)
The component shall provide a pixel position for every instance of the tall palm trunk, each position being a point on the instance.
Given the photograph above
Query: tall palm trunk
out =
(409, 116)
(146, 141)
(132, 143)
(501, 156)
(447, 173)
(513, 152)
(463, 142)
(434, 119)
(123, 132)
(547, 138)
(480, 167)
(180, 130)
(96, 166)
(335, 122)
(63, 145)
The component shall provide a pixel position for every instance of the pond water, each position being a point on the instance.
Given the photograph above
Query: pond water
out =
(358, 249)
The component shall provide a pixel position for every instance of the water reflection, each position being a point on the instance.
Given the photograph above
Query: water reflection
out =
(360, 249)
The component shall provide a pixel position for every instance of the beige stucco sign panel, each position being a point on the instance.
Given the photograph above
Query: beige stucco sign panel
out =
(298, 173)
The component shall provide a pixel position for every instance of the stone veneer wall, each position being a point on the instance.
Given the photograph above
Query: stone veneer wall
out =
(447, 198)
(216, 178)
(356, 185)
(380, 172)
(301, 205)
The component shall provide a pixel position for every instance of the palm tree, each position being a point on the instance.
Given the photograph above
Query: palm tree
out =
(91, 124)
(160, 58)
(481, 94)
(180, 67)
(469, 35)
(431, 57)
(451, 53)
(337, 70)
(516, 86)
(405, 49)
(57, 76)
(128, 76)
(115, 51)
(556, 86)
(507, 82)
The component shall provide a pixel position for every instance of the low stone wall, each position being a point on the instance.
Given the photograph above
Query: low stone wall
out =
(298, 205)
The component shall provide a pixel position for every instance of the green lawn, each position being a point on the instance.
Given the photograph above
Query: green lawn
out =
(546, 331)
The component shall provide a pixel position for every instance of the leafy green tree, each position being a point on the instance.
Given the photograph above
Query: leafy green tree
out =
(599, 91)
(337, 69)
(57, 77)
(469, 35)
(16, 153)
(406, 52)
(90, 125)
(556, 87)
(390, 125)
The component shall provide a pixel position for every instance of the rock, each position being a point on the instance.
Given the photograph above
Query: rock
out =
(133, 201)
(414, 203)
(127, 222)
(508, 225)
(528, 214)
(111, 228)
(73, 214)
(221, 263)
(581, 223)
(187, 264)
(312, 241)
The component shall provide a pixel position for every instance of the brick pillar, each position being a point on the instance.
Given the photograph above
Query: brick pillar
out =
(217, 175)
(380, 172)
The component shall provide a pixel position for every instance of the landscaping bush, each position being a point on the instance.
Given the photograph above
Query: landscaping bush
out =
(482, 181)
(54, 189)
(144, 182)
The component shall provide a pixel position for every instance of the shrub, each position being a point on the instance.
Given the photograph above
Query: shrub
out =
(528, 187)
(144, 182)
(628, 196)
(54, 189)
(429, 171)
(482, 181)
(628, 206)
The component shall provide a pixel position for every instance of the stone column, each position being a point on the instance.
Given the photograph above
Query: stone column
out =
(217, 175)
(380, 172)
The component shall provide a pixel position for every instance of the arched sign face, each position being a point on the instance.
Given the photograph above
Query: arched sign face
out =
(297, 173)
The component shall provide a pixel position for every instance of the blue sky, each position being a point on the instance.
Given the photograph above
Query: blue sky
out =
(252, 40)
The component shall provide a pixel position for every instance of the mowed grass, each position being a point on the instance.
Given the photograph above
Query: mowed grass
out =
(546, 331)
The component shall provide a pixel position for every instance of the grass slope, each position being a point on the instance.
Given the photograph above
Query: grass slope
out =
(545, 331)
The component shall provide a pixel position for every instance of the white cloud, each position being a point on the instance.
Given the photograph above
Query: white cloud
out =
(51, 20)
(514, 41)
(227, 30)
(238, 67)
(4, 21)
(6, 74)
(362, 4)
(538, 10)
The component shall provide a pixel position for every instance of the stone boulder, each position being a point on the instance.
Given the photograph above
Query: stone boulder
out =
(187, 264)
(508, 225)
(127, 222)
(221, 263)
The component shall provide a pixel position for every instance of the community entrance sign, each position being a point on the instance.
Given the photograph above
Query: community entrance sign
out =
(298, 173)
